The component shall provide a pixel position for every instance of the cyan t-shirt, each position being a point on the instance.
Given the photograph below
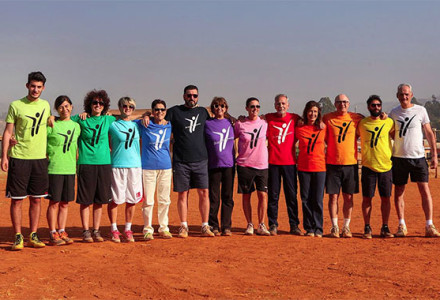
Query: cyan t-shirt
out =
(125, 144)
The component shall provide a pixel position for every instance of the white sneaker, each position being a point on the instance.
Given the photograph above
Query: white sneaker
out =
(249, 229)
(262, 230)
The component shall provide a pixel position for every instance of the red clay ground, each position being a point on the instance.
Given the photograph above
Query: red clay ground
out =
(240, 267)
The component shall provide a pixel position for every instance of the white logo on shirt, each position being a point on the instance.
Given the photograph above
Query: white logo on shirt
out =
(282, 132)
(192, 123)
(224, 137)
(159, 138)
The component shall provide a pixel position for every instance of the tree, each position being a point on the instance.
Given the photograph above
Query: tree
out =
(326, 105)
(414, 101)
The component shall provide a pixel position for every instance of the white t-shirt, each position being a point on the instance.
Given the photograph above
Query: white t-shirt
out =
(408, 139)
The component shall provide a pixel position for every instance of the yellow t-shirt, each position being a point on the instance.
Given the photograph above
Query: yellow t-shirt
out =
(376, 143)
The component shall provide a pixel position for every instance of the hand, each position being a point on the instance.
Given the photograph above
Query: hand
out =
(51, 121)
(383, 116)
(5, 164)
(84, 116)
(321, 125)
(434, 162)
(263, 117)
(145, 120)
(241, 118)
(12, 142)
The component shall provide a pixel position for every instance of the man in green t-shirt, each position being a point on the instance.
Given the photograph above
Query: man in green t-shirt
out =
(26, 162)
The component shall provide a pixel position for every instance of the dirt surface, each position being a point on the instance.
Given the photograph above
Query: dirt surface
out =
(234, 267)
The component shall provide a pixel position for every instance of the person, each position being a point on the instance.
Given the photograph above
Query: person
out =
(376, 151)
(190, 158)
(26, 162)
(219, 135)
(311, 168)
(62, 147)
(94, 162)
(341, 159)
(156, 170)
(126, 179)
(411, 121)
(282, 164)
(252, 164)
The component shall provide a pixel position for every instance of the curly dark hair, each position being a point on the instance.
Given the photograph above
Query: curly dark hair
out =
(94, 95)
(310, 105)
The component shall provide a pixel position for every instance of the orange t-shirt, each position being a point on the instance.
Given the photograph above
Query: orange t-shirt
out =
(341, 138)
(311, 144)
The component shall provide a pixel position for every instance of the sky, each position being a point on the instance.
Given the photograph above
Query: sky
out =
(234, 49)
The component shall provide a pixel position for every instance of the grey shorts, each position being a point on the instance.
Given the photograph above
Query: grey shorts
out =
(342, 176)
(192, 175)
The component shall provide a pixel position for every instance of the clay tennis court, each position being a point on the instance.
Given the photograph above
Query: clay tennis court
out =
(237, 267)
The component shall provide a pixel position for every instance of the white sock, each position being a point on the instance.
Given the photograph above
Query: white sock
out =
(61, 230)
(402, 222)
(185, 224)
(114, 227)
(205, 224)
(335, 222)
(53, 231)
(347, 222)
(127, 226)
(428, 223)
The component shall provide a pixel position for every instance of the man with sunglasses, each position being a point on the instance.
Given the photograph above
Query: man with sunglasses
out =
(411, 122)
(341, 159)
(376, 164)
(190, 157)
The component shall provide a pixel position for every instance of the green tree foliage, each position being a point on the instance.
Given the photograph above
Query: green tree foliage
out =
(326, 105)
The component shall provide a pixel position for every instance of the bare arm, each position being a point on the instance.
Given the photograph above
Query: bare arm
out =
(432, 144)
(7, 134)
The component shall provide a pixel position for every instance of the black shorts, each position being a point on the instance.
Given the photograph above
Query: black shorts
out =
(369, 180)
(27, 177)
(250, 178)
(193, 175)
(417, 168)
(61, 188)
(342, 176)
(94, 184)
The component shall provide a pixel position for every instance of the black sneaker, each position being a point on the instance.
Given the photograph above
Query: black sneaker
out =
(367, 232)
(296, 231)
(273, 229)
(385, 232)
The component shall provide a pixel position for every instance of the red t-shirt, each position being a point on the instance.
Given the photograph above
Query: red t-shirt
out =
(281, 138)
(311, 144)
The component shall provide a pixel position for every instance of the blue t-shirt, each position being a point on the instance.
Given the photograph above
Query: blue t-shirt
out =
(155, 146)
(125, 144)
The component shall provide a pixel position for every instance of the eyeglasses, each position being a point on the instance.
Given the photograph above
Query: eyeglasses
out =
(219, 105)
(128, 106)
(192, 95)
(159, 109)
(254, 106)
(342, 102)
(96, 102)
(375, 105)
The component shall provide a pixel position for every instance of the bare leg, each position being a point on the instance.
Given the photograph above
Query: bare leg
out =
(34, 213)
(385, 208)
(399, 191)
(97, 213)
(204, 204)
(425, 193)
(347, 208)
(247, 207)
(366, 209)
(182, 205)
(16, 214)
(129, 212)
(112, 210)
(333, 205)
(62, 214)
(52, 213)
(85, 215)
(262, 206)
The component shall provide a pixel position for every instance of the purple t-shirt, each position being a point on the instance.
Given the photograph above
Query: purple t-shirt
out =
(219, 138)
(252, 148)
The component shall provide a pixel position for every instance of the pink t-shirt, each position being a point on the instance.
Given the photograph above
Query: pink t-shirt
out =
(252, 148)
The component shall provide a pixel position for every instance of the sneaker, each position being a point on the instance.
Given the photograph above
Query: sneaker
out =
(367, 232)
(296, 231)
(215, 231)
(65, 237)
(148, 236)
(334, 232)
(262, 230)
(18, 243)
(206, 231)
(34, 241)
(97, 235)
(431, 231)
(55, 239)
(115, 235)
(401, 231)
(183, 232)
(318, 235)
(165, 234)
(227, 232)
(87, 236)
(249, 230)
(385, 232)
(129, 236)
(346, 233)
(311, 234)
(273, 229)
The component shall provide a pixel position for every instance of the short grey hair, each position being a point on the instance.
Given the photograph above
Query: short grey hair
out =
(277, 97)
(400, 86)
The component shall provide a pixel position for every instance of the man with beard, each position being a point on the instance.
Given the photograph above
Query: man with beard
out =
(376, 164)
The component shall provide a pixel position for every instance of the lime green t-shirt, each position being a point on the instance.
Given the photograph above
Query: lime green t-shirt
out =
(30, 120)
(62, 144)
(376, 143)
(93, 143)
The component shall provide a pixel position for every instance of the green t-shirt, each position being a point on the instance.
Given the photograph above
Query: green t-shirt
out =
(93, 143)
(30, 120)
(61, 147)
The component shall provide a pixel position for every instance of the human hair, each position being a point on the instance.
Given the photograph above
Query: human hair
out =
(277, 97)
(219, 100)
(93, 95)
(309, 106)
(190, 87)
(36, 76)
(60, 100)
(156, 102)
(373, 97)
(400, 86)
(249, 100)
(126, 100)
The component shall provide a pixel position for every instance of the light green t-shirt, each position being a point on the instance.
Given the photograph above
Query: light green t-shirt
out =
(30, 120)
(61, 147)
(93, 143)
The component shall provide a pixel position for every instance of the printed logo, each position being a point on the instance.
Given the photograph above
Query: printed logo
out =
(68, 137)
(160, 137)
(404, 125)
(192, 123)
(254, 136)
(224, 137)
(36, 122)
(282, 131)
(129, 137)
(312, 142)
(343, 131)
(375, 136)
(96, 134)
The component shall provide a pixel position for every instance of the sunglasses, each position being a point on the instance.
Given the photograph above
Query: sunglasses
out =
(254, 106)
(192, 95)
(375, 105)
(95, 102)
(159, 109)
(219, 105)
(128, 106)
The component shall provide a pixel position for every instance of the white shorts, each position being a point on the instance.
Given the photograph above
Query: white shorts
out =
(126, 185)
